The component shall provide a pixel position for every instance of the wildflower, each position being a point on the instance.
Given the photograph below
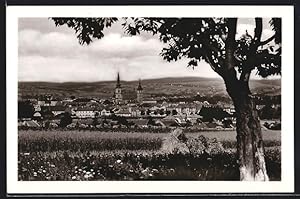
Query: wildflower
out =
(86, 176)
(145, 171)
(155, 170)
(52, 165)
(26, 154)
(44, 171)
(73, 177)
(34, 173)
(119, 161)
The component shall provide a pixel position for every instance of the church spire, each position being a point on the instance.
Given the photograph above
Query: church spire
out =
(139, 86)
(118, 81)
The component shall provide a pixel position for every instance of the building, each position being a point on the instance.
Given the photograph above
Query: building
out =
(139, 93)
(57, 110)
(85, 112)
(123, 113)
(105, 112)
(118, 92)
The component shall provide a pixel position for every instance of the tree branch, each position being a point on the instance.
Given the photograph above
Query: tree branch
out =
(245, 76)
(248, 65)
(267, 41)
(258, 30)
(230, 43)
(214, 65)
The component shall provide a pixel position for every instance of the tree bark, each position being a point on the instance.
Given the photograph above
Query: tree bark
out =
(250, 148)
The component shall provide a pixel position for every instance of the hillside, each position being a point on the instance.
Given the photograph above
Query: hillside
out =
(182, 86)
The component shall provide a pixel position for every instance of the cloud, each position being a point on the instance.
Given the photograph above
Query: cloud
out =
(116, 45)
(48, 53)
(66, 45)
(57, 56)
(38, 68)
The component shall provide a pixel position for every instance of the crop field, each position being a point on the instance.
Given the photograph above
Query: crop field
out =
(92, 155)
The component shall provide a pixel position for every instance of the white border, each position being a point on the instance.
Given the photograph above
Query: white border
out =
(285, 185)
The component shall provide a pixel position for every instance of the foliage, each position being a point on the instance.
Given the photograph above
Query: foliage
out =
(273, 125)
(210, 113)
(62, 165)
(65, 120)
(269, 112)
(86, 28)
(25, 109)
(203, 145)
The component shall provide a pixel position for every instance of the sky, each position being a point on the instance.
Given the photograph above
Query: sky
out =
(53, 54)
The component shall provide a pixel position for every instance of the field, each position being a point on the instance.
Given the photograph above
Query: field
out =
(91, 155)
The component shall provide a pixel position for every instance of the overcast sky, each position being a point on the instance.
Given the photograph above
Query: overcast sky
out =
(49, 53)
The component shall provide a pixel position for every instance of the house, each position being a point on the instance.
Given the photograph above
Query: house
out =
(37, 107)
(37, 115)
(30, 123)
(180, 121)
(149, 102)
(41, 102)
(85, 112)
(105, 112)
(123, 113)
(229, 109)
(160, 123)
(142, 123)
(53, 102)
(135, 112)
(171, 108)
(57, 110)
(259, 107)
(187, 109)
(193, 118)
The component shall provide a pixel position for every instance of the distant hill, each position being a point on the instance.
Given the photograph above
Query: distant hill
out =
(172, 86)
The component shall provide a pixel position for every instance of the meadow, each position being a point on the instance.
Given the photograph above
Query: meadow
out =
(92, 155)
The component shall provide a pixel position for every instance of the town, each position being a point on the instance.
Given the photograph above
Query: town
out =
(49, 112)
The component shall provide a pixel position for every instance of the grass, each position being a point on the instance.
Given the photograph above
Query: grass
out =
(34, 141)
(91, 155)
(268, 135)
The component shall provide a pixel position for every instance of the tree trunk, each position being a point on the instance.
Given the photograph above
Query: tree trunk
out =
(249, 136)
(249, 141)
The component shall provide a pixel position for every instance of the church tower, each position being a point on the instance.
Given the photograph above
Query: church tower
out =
(139, 93)
(118, 91)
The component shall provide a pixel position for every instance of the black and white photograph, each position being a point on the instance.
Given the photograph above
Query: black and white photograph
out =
(159, 98)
